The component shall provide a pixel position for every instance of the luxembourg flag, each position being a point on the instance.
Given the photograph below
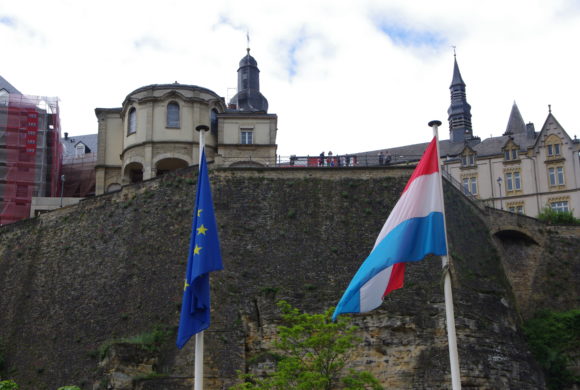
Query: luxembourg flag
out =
(414, 229)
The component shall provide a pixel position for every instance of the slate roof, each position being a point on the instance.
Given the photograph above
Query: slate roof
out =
(4, 84)
(457, 79)
(409, 153)
(90, 141)
(515, 122)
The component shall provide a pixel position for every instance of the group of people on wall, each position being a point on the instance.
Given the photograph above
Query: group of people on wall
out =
(336, 161)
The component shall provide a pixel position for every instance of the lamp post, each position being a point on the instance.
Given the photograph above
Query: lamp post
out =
(500, 199)
(62, 180)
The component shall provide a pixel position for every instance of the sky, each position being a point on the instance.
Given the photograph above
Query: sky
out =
(342, 76)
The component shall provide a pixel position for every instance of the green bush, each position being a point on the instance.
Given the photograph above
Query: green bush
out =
(558, 217)
(69, 388)
(150, 341)
(8, 385)
(553, 337)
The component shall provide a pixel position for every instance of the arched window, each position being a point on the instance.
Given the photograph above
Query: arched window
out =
(173, 115)
(213, 121)
(132, 122)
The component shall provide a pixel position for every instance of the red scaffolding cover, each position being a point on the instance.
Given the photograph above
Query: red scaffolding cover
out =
(30, 154)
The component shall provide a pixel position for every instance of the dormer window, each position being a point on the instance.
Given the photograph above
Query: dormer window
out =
(468, 159)
(80, 150)
(511, 154)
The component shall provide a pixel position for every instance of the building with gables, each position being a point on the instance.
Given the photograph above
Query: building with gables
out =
(153, 132)
(522, 171)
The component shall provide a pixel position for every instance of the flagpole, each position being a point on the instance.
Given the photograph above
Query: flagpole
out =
(450, 316)
(198, 369)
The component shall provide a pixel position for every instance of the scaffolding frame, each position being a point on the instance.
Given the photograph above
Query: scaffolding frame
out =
(30, 153)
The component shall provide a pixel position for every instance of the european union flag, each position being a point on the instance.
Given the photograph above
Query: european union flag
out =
(204, 257)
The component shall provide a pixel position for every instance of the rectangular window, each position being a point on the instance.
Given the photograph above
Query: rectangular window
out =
(473, 182)
(519, 209)
(514, 154)
(556, 176)
(463, 160)
(550, 151)
(552, 175)
(509, 182)
(247, 137)
(560, 206)
(517, 181)
(471, 159)
(466, 185)
(560, 175)
(507, 154)
(557, 149)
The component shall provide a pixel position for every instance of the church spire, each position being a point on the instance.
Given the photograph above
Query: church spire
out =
(459, 111)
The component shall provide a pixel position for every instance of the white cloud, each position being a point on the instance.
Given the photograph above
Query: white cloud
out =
(336, 79)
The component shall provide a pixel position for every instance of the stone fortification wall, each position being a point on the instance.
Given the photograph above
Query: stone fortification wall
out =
(78, 278)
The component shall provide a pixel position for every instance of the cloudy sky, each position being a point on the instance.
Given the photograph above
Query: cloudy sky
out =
(346, 76)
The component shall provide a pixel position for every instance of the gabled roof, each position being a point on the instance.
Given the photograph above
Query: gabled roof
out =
(4, 84)
(89, 140)
(546, 127)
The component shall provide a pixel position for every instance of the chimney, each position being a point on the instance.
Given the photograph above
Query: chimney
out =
(530, 130)
(65, 135)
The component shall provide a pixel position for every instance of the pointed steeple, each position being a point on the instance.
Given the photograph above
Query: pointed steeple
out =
(457, 80)
(249, 97)
(459, 111)
(516, 124)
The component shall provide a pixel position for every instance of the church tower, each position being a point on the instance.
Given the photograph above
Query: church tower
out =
(459, 111)
(249, 98)
(246, 131)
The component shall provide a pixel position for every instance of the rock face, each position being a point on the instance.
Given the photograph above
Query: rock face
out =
(112, 267)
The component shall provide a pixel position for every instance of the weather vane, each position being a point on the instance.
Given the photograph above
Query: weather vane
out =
(248, 40)
(454, 47)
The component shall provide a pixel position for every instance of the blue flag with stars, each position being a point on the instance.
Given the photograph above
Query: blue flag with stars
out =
(204, 257)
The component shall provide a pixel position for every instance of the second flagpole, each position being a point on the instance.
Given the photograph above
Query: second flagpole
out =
(449, 313)
(198, 369)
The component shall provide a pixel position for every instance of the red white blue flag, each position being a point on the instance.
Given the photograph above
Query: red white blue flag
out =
(414, 229)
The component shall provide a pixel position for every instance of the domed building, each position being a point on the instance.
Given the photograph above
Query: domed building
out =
(154, 130)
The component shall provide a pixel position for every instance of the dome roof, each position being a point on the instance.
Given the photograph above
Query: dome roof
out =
(248, 60)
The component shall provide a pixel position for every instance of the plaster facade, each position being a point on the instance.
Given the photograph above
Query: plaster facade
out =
(153, 132)
(524, 174)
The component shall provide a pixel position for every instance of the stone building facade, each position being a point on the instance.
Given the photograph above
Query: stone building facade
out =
(153, 132)
(522, 171)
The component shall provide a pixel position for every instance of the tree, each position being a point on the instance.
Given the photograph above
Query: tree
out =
(313, 355)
